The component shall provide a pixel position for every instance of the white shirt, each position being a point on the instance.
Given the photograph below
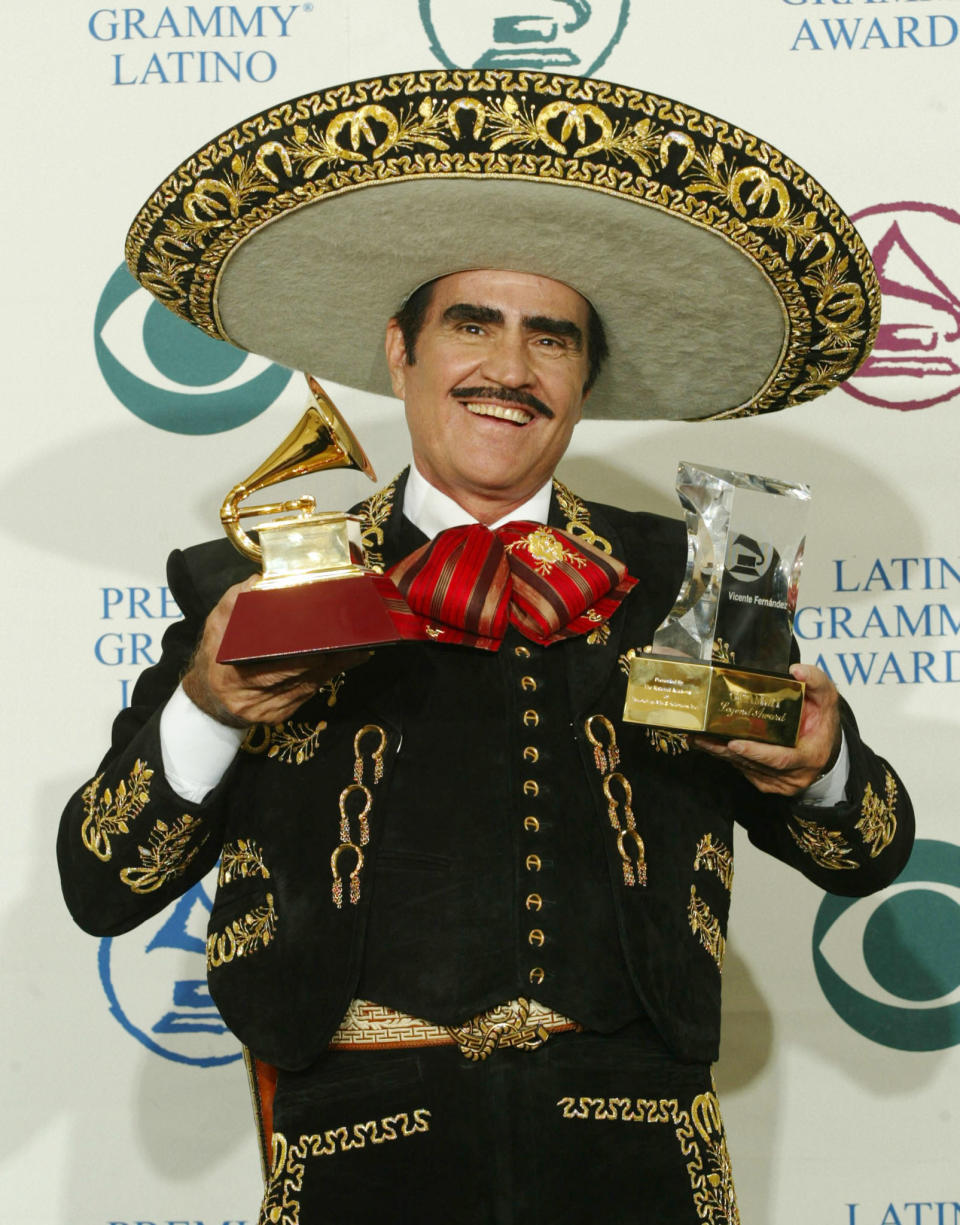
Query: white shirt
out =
(197, 750)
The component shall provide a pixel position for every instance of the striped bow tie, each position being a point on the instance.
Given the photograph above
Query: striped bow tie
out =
(469, 583)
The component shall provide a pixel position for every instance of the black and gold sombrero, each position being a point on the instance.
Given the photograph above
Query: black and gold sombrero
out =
(729, 281)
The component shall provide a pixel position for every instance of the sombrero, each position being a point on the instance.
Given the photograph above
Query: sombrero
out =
(729, 281)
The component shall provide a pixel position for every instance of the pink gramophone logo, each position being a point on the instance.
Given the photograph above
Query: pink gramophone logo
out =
(915, 362)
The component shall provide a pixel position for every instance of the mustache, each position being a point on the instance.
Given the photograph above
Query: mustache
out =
(506, 395)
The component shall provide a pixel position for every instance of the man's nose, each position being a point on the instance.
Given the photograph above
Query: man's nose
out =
(507, 361)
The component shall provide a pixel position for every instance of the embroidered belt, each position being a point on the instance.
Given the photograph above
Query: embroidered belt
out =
(519, 1023)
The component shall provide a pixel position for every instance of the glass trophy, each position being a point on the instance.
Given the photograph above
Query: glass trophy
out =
(719, 662)
(315, 592)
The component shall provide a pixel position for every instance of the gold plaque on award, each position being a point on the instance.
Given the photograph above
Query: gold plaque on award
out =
(719, 661)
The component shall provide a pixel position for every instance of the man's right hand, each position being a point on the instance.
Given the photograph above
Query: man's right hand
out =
(266, 691)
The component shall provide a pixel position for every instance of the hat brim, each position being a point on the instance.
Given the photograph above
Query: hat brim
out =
(728, 281)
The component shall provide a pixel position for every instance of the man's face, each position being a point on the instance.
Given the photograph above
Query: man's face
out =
(497, 382)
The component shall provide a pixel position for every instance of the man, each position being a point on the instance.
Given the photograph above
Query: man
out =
(472, 920)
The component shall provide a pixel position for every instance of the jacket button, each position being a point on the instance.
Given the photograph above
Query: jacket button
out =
(531, 787)
(536, 938)
(528, 684)
(531, 824)
(531, 754)
(534, 901)
(537, 975)
(531, 718)
(522, 652)
(533, 863)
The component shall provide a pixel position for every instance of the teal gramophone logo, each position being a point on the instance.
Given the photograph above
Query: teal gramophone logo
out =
(170, 374)
(573, 36)
(890, 964)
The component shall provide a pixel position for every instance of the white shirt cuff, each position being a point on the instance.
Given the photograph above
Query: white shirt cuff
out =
(197, 750)
(831, 788)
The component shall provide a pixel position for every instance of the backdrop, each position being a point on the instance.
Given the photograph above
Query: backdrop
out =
(126, 1100)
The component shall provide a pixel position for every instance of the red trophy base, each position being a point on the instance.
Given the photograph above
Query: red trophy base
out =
(339, 614)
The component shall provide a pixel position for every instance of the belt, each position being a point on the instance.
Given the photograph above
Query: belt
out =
(521, 1023)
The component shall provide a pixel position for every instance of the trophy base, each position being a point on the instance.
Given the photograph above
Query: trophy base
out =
(342, 613)
(716, 699)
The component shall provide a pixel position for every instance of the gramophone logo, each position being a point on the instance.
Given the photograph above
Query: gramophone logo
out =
(572, 36)
(170, 374)
(890, 964)
(155, 979)
(915, 362)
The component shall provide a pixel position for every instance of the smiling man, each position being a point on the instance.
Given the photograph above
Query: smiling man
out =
(470, 924)
(493, 383)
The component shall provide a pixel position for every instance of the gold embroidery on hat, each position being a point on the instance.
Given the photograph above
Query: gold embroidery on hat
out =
(112, 813)
(166, 855)
(878, 822)
(370, 132)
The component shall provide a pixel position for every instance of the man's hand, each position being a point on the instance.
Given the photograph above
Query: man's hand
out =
(783, 771)
(266, 691)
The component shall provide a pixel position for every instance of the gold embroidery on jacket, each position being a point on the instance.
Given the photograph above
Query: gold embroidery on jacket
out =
(826, 847)
(672, 743)
(166, 855)
(113, 812)
(356, 803)
(715, 857)
(699, 1133)
(618, 793)
(705, 925)
(578, 517)
(878, 822)
(243, 936)
(241, 859)
(295, 743)
(375, 513)
(723, 652)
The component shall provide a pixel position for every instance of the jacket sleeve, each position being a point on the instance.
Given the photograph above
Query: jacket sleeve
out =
(853, 848)
(128, 844)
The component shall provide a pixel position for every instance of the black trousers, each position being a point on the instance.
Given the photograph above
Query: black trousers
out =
(588, 1128)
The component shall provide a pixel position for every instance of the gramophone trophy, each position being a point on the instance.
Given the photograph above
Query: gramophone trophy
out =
(316, 592)
(719, 662)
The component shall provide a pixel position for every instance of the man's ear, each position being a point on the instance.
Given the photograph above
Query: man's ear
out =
(396, 351)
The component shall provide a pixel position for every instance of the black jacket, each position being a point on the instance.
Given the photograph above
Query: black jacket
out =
(491, 862)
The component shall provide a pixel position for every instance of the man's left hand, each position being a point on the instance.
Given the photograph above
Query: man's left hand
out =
(783, 771)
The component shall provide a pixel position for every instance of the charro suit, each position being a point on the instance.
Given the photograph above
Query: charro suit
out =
(449, 828)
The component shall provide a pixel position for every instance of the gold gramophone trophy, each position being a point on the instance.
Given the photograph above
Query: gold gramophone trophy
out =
(316, 592)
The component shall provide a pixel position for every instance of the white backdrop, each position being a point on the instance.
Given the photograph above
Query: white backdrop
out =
(124, 1099)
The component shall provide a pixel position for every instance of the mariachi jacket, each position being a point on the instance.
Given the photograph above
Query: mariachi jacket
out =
(444, 828)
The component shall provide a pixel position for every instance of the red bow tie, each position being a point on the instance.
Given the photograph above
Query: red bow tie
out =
(469, 583)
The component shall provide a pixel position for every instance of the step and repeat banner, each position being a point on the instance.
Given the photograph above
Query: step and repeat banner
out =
(126, 1098)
